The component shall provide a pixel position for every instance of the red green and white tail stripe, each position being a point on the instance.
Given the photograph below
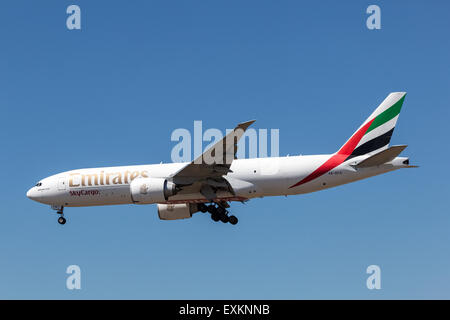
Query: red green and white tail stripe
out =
(371, 137)
(382, 123)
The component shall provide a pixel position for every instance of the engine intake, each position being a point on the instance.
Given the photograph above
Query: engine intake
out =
(151, 190)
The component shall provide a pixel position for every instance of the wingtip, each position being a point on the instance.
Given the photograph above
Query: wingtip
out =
(245, 125)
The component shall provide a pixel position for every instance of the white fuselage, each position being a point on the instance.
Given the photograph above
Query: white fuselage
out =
(250, 178)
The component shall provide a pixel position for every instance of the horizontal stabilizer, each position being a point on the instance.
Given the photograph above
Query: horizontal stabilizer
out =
(381, 157)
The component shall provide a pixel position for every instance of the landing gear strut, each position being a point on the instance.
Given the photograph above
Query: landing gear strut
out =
(60, 211)
(218, 213)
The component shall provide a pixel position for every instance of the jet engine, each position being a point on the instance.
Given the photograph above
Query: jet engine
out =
(151, 190)
(176, 211)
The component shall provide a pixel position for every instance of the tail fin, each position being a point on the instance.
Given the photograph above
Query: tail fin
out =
(375, 133)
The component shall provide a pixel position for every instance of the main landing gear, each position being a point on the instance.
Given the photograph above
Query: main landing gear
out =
(218, 213)
(60, 211)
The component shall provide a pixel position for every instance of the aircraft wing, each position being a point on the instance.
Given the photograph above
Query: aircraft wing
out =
(209, 168)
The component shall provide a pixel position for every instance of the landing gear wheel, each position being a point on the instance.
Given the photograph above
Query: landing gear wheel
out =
(215, 216)
(224, 218)
(202, 207)
(61, 220)
(233, 220)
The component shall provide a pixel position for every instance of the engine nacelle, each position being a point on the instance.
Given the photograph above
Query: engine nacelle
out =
(176, 211)
(151, 190)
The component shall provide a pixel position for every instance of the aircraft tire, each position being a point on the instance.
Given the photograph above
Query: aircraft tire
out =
(233, 220)
(202, 207)
(215, 217)
(224, 218)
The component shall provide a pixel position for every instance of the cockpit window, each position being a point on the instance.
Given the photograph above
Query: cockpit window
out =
(39, 184)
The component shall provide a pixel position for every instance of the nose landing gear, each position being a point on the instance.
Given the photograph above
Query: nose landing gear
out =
(61, 220)
(60, 211)
(218, 213)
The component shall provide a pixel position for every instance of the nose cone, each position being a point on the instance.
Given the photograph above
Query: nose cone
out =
(33, 194)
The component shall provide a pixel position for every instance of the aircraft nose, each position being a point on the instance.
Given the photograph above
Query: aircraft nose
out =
(32, 194)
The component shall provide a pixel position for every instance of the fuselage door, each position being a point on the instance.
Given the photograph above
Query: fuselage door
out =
(62, 183)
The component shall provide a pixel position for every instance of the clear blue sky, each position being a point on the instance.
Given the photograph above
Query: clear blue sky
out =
(112, 93)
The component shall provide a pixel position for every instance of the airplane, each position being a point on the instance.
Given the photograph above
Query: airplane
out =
(216, 178)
